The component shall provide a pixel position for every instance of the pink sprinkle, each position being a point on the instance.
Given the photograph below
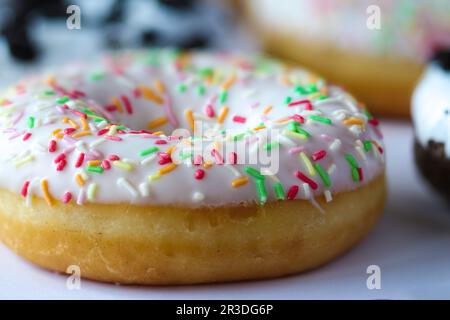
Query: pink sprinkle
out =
(60, 109)
(305, 179)
(61, 156)
(113, 138)
(292, 193)
(24, 190)
(136, 93)
(80, 160)
(78, 94)
(113, 157)
(160, 142)
(209, 111)
(127, 104)
(217, 156)
(110, 108)
(239, 119)
(67, 197)
(61, 164)
(198, 160)
(306, 102)
(106, 165)
(69, 130)
(78, 113)
(26, 136)
(199, 174)
(298, 118)
(319, 155)
(52, 146)
(296, 150)
(233, 157)
(102, 132)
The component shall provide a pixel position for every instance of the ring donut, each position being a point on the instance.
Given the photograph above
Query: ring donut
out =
(98, 172)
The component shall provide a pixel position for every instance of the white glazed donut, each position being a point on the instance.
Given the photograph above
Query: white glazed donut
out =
(91, 139)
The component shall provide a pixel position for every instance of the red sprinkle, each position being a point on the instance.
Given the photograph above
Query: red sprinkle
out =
(360, 173)
(298, 118)
(24, 190)
(106, 165)
(66, 197)
(69, 130)
(78, 113)
(373, 122)
(102, 132)
(239, 119)
(319, 155)
(80, 160)
(306, 102)
(61, 156)
(305, 179)
(127, 104)
(160, 142)
(292, 193)
(165, 161)
(209, 111)
(61, 164)
(233, 157)
(199, 174)
(26, 136)
(113, 157)
(52, 146)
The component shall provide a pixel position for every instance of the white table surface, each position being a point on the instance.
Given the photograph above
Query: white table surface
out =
(411, 245)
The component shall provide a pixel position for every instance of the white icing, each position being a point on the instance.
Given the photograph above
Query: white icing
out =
(30, 160)
(430, 105)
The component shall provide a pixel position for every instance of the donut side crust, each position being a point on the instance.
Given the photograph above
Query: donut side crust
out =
(165, 245)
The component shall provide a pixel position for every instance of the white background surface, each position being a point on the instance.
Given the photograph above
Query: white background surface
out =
(411, 245)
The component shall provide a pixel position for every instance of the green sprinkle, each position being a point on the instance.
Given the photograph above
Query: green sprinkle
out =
(62, 100)
(270, 146)
(95, 169)
(206, 72)
(238, 137)
(323, 174)
(320, 119)
(367, 145)
(351, 160)
(186, 155)
(96, 76)
(303, 132)
(293, 126)
(279, 191)
(254, 173)
(181, 87)
(148, 151)
(287, 100)
(261, 189)
(368, 114)
(31, 122)
(48, 93)
(121, 127)
(306, 89)
(322, 97)
(223, 96)
(355, 174)
(201, 90)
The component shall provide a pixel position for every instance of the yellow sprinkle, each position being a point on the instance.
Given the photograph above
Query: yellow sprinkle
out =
(116, 103)
(160, 86)
(157, 122)
(92, 191)
(171, 149)
(307, 162)
(267, 109)
(353, 121)
(150, 95)
(294, 135)
(259, 128)
(229, 82)
(94, 163)
(122, 165)
(167, 169)
(190, 118)
(24, 161)
(223, 113)
(79, 179)
(84, 124)
(207, 164)
(59, 135)
(239, 182)
(73, 124)
(81, 134)
(158, 133)
(154, 177)
(47, 196)
(56, 131)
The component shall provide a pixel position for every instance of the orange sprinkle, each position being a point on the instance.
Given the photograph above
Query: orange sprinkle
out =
(207, 164)
(190, 118)
(51, 81)
(81, 134)
(239, 182)
(150, 95)
(282, 120)
(73, 124)
(267, 109)
(65, 120)
(259, 128)
(47, 196)
(94, 163)
(171, 150)
(160, 86)
(116, 103)
(167, 168)
(352, 121)
(157, 122)
(84, 124)
(223, 113)
(229, 82)
(79, 179)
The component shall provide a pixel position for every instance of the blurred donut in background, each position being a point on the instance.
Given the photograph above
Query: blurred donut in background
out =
(376, 48)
